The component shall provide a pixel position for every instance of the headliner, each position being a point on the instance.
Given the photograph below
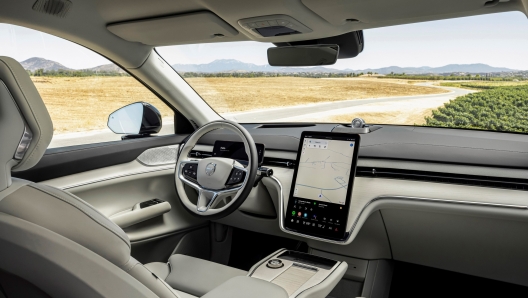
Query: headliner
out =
(86, 22)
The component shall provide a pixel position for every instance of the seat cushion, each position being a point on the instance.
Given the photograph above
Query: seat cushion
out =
(192, 275)
(70, 217)
(161, 270)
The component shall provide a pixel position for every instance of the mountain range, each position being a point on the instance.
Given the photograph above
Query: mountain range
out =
(48, 65)
(232, 65)
(41, 63)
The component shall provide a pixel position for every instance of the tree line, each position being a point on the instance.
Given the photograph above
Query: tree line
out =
(262, 74)
(453, 77)
(90, 73)
(74, 73)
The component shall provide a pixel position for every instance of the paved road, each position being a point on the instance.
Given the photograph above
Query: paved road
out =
(267, 115)
(280, 114)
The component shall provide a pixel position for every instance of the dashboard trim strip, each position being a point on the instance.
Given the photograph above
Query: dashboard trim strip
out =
(132, 173)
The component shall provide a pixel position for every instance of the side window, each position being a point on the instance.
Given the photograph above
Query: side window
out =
(79, 87)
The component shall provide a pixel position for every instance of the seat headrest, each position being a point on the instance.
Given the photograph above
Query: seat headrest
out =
(25, 125)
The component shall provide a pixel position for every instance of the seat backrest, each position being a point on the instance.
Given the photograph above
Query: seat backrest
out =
(36, 217)
(25, 125)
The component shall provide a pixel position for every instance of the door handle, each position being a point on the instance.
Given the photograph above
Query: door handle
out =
(141, 212)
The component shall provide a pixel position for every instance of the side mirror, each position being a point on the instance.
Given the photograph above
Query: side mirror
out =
(311, 55)
(139, 119)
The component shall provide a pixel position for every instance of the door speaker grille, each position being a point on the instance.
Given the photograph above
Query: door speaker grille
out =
(58, 8)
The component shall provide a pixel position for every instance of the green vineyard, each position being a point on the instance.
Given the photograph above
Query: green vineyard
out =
(498, 108)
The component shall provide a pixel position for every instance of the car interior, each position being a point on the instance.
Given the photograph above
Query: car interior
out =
(225, 208)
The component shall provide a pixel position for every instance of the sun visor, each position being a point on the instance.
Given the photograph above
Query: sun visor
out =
(197, 27)
(339, 12)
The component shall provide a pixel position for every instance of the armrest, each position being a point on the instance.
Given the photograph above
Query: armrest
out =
(198, 277)
(244, 286)
(138, 214)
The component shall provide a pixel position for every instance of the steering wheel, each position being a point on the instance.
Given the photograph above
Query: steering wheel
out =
(215, 178)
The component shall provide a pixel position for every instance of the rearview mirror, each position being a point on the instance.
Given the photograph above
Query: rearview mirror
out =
(140, 119)
(311, 55)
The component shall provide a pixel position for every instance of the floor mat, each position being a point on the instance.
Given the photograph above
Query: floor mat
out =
(411, 281)
(346, 289)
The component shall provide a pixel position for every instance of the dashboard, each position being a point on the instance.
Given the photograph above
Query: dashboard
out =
(409, 164)
(427, 196)
(321, 189)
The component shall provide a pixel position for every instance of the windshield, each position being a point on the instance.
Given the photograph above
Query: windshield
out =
(459, 73)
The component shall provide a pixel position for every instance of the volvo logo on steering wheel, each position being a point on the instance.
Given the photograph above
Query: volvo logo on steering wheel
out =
(210, 169)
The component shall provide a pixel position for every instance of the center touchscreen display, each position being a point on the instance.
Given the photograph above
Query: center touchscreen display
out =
(322, 184)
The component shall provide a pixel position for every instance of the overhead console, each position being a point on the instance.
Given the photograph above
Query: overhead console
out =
(319, 201)
(273, 25)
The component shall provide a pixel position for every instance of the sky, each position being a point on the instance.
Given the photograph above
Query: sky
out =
(500, 40)
(22, 43)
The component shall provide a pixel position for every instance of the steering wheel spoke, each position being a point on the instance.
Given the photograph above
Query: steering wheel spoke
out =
(206, 199)
(210, 199)
(237, 176)
(188, 173)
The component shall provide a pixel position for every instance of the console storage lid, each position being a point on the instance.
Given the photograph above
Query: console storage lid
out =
(243, 287)
(301, 275)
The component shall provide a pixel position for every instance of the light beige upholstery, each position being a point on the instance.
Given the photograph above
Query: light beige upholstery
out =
(193, 276)
(60, 216)
(243, 286)
(23, 95)
(70, 217)
(58, 243)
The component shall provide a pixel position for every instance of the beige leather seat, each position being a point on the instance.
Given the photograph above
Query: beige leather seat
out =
(52, 243)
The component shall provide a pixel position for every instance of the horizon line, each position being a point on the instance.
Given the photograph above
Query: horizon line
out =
(307, 67)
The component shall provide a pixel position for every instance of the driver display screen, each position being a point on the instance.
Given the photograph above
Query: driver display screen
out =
(237, 151)
(321, 190)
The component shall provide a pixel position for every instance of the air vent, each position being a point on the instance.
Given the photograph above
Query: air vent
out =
(284, 125)
(58, 8)
(448, 178)
(279, 162)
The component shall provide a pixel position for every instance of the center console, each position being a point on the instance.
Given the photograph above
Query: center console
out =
(300, 274)
(283, 274)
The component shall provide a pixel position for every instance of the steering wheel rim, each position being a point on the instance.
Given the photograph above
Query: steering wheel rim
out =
(211, 190)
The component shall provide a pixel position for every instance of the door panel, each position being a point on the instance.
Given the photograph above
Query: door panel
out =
(118, 188)
(113, 178)
(60, 162)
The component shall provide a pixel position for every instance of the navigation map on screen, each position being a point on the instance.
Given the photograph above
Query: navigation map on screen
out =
(324, 170)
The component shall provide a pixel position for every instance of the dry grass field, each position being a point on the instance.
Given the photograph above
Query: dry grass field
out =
(244, 94)
(406, 112)
(81, 104)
